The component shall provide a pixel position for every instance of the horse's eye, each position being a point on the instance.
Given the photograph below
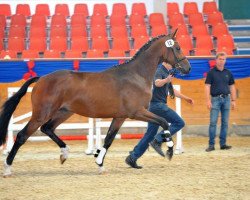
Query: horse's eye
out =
(178, 48)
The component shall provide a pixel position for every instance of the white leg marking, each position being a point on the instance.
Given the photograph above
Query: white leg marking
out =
(7, 169)
(100, 157)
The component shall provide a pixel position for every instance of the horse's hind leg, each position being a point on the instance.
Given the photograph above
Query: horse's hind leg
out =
(21, 138)
(113, 129)
(49, 127)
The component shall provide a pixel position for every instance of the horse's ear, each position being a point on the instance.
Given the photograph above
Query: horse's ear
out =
(174, 33)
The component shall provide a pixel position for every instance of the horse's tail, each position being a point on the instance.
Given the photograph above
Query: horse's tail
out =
(10, 106)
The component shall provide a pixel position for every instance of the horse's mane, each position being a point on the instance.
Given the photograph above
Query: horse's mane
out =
(142, 49)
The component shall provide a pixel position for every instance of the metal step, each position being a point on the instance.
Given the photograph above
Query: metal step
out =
(239, 27)
(242, 39)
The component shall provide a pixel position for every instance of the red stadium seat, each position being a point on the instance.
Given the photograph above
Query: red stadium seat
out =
(38, 21)
(16, 44)
(78, 31)
(119, 31)
(220, 29)
(176, 19)
(185, 43)
(156, 19)
(135, 20)
(119, 9)
(73, 54)
(62, 9)
(137, 31)
(203, 52)
(121, 43)
(172, 8)
(79, 44)
(204, 42)
(18, 20)
(78, 20)
(226, 42)
(42, 9)
(97, 31)
(37, 31)
(23, 9)
(2, 21)
(190, 8)
(82, 9)
(100, 9)
(58, 20)
(1, 44)
(215, 18)
(5, 10)
(58, 43)
(98, 20)
(117, 20)
(29, 54)
(116, 53)
(199, 30)
(58, 31)
(139, 9)
(52, 54)
(209, 7)
(17, 31)
(195, 19)
(100, 43)
(158, 30)
(94, 53)
(38, 44)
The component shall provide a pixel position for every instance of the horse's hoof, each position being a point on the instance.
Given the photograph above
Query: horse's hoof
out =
(7, 175)
(62, 159)
(7, 170)
(64, 154)
(101, 170)
(170, 153)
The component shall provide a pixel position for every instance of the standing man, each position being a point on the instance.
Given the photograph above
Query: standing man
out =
(159, 107)
(220, 93)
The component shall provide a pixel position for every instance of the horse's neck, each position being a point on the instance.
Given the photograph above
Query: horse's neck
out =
(146, 66)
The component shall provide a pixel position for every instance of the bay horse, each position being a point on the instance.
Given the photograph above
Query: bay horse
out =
(120, 92)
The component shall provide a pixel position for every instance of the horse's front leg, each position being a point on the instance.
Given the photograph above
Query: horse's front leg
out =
(113, 129)
(148, 116)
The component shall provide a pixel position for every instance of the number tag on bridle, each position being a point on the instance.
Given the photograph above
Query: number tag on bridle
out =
(169, 43)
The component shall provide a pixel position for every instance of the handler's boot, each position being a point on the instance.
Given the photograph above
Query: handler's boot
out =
(132, 163)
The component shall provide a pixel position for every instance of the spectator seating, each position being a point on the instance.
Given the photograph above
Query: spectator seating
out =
(190, 8)
(209, 7)
(73, 54)
(5, 10)
(82, 9)
(29, 54)
(172, 8)
(119, 33)
(23, 9)
(62, 9)
(138, 9)
(94, 53)
(42, 9)
(119, 9)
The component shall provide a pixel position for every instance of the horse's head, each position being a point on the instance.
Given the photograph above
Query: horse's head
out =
(173, 54)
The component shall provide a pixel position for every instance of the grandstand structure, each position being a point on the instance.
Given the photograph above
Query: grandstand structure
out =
(77, 31)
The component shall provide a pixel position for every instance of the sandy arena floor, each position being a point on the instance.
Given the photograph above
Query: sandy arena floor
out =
(195, 174)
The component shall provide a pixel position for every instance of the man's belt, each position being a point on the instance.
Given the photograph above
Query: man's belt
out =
(221, 95)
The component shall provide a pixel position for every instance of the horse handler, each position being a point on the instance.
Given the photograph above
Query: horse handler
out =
(158, 106)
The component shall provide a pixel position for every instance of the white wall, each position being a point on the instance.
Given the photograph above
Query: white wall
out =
(71, 3)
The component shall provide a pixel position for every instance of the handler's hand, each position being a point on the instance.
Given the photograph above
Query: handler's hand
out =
(233, 105)
(209, 105)
(189, 100)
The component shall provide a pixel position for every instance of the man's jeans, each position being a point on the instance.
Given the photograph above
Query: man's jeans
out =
(219, 105)
(162, 110)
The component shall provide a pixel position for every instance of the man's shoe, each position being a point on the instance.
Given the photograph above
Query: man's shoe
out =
(157, 147)
(225, 147)
(170, 153)
(210, 148)
(132, 163)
